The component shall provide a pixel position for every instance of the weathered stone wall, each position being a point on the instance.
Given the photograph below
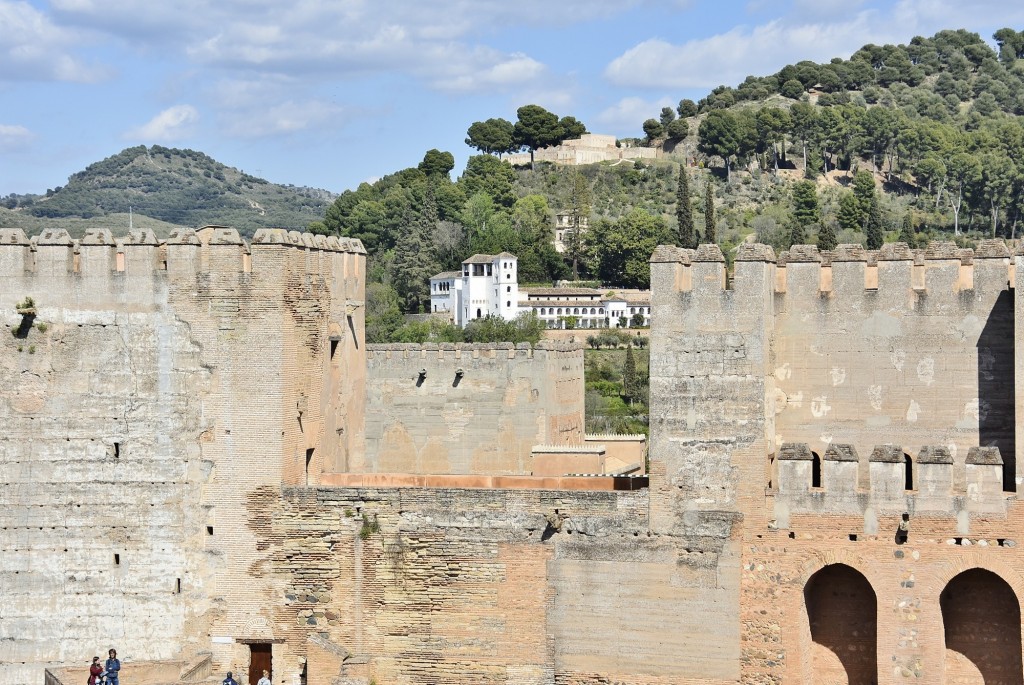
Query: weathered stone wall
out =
(498, 586)
(728, 360)
(484, 421)
(924, 358)
(149, 391)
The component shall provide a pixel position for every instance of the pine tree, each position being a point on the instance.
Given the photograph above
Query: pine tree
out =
(709, 213)
(414, 261)
(873, 227)
(684, 212)
(907, 232)
(826, 237)
(630, 380)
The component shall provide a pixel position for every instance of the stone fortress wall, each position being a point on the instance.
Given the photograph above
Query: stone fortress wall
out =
(150, 391)
(821, 397)
(764, 550)
(470, 409)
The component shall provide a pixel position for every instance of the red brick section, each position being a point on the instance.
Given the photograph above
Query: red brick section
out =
(981, 620)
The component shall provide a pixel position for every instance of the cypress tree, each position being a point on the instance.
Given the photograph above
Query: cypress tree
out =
(709, 213)
(684, 212)
(826, 237)
(630, 380)
(873, 229)
(414, 261)
(907, 234)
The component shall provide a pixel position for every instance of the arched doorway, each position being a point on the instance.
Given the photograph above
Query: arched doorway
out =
(842, 612)
(981, 622)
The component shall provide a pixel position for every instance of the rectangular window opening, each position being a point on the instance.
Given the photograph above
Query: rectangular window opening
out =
(209, 530)
(116, 450)
(334, 347)
(1001, 542)
(853, 537)
(117, 560)
(177, 586)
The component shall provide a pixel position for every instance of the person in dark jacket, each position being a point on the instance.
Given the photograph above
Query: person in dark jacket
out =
(95, 670)
(112, 667)
(229, 680)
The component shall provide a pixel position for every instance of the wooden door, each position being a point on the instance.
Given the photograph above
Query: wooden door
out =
(260, 659)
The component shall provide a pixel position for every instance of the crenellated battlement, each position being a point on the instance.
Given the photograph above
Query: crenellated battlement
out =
(100, 267)
(98, 251)
(803, 272)
(889, 480)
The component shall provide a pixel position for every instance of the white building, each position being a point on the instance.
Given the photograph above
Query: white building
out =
(587, 307)
(487, 286)
(445, 290)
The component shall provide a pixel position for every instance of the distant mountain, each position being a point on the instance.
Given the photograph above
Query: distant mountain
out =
(171, 186)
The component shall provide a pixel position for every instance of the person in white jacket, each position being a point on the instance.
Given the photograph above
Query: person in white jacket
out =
(265, 680)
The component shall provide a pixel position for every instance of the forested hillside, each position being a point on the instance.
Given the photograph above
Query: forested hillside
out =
(176, 187)
(900, 142)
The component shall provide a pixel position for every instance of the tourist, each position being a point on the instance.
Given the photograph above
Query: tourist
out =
(265, 680)
(112, 667)
(229, 680)
(95, 670)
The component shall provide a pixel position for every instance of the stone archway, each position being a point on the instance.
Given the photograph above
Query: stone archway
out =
(842, 614)
(981, 624)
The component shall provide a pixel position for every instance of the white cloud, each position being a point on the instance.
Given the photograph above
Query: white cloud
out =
(624, 116)
(833, 30)
(174, 123)
(438, 41)
(13, 137)
(283, 118)
(32, 47)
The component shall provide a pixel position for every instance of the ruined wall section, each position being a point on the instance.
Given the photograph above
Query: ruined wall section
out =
(924, 357)
(144, 397)
(477, 409)
(427, 585)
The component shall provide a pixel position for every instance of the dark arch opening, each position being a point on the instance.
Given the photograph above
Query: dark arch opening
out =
(815, 470)
(908, 477)
(981, 623)
(842, 612)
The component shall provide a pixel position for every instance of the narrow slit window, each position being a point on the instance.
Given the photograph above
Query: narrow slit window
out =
(117, 560)
(334, 347)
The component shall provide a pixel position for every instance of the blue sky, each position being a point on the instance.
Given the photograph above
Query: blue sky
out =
(332, 93)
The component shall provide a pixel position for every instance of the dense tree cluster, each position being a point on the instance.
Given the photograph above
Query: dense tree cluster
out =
(534, 129)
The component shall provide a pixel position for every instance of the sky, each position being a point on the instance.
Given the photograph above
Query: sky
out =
(331, 93)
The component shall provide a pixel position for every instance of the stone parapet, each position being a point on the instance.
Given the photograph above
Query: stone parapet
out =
(897, 482)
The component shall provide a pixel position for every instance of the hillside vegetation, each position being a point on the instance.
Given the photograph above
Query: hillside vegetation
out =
(170, 186)
(900, 142)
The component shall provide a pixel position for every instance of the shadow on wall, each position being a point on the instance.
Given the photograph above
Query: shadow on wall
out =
(842, 611)
(981, 623)
(996, 388)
